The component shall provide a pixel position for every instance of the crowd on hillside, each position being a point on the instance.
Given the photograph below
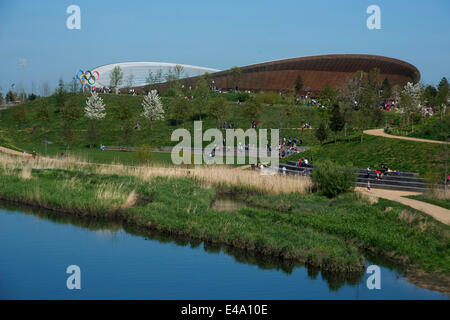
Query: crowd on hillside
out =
(382, 171)
(287, 147)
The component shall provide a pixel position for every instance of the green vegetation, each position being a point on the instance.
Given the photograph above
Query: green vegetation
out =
(400, 155)
(435, 129)
(331, 234)
(331, 179)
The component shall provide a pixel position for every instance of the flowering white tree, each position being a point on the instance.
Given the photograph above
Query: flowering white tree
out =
(153, 108)
(410, 99)
(94, 110)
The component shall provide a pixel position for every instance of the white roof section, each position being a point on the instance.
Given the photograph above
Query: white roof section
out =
(136, 73)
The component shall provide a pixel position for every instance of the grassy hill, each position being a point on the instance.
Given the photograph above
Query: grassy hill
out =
(434, 129)
(29, 133)
(401, 155)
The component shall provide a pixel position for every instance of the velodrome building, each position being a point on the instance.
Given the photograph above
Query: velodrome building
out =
(278, 75)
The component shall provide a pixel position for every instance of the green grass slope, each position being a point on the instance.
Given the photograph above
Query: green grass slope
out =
(401, 155)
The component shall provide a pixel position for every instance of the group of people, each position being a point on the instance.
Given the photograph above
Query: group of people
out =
(383, 170)
(101, 90)
(224, 125)
(387, 105)
(303, 162)
(287, 147)
(304, 100)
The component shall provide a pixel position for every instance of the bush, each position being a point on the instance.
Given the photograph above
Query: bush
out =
(332, 179)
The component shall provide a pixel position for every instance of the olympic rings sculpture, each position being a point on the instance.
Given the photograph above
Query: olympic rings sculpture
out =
(87, 77)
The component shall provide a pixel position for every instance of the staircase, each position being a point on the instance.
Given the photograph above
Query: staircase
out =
(406, 181)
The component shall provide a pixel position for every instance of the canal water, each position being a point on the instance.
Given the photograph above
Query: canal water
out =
(116, 263)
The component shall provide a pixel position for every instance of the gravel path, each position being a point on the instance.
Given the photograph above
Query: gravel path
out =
(439, 213)
(381, 133)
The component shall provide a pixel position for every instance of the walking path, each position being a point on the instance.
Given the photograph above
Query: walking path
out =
(381, 133)
(439, 213)
(14, 152)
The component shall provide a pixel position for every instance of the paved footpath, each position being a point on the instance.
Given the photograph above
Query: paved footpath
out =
(381, 133)
(439, 213)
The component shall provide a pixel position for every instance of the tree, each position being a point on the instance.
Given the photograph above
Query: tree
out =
(159, 76)
(11, 96)
(178, 71)
(201, 97)
(130, 80)
(170, 76)
(321, 132)
(252, 109)
(235, 77)
(409, 101)
(180, 109)
(75, 85)
(218, 109)
(1, 98)
(42, 111)
(369, 98)
(442, 97)
(150, 80)
(429, 96)
(70, 112)
(60, 93)
(94, 111)
(327, 96)
(298, 84)
(153, 109)
(116, 77)
(337, 121)
(386, 89)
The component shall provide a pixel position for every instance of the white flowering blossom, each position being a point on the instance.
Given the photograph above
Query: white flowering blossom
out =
(414, 92)
(95, 108)
(152, 105)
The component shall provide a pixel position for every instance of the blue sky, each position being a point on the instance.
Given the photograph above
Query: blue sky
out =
(217, 34)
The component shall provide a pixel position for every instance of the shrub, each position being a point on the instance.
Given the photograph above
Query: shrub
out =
(332, 179)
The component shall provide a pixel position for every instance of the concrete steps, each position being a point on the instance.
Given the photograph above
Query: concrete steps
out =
(406, 181)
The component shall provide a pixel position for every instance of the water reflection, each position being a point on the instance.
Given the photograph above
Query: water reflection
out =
(109, 229)
(114, 231)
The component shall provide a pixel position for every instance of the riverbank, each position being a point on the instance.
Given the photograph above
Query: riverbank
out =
(330, 234)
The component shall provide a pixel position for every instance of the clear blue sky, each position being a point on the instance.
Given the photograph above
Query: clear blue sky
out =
(217, 34)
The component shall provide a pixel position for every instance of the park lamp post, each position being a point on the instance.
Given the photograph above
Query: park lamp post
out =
(46, 142)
